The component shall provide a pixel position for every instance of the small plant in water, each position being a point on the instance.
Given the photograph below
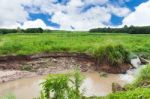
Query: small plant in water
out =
(62, 86)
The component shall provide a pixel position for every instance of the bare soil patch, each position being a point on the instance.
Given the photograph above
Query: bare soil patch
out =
(15, 67)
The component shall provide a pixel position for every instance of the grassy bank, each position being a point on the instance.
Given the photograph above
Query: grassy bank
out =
(140, 89)
(70, 42)
(139, 93)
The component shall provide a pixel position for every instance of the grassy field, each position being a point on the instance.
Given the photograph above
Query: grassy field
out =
(15, 44)
(84, 42)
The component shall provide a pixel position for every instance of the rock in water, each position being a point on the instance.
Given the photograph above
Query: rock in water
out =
(116, 87)
(144, 61)
(136, 62)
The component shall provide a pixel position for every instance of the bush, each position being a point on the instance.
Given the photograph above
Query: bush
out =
(112, 55)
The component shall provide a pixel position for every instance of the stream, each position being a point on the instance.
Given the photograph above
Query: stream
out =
(93, 85)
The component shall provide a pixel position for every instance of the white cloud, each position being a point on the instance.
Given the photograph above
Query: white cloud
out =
(35, 24)
(70, 15)
(119, 11)
(140, 17)
(94, 17)
(95, 2)
(11, 12)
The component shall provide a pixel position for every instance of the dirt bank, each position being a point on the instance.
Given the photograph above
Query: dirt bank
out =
(10, 75)
(14, 67)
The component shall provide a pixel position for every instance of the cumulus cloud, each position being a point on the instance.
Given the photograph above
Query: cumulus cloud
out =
(94, 17)
(95, 2)
(140, 17)
(119, 11)
(11, 13)
(35, 24)
(69, 14)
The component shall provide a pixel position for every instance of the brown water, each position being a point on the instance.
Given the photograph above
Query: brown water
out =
(93, 84)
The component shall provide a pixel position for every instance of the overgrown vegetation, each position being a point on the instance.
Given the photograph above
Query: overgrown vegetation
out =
(125, 29)
(113, 55)
(62, 86)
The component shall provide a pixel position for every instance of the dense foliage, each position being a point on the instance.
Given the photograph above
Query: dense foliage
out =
(33, 30)
(62, 86)
(6, 31)
(125, 29)
(28, 30)
(113, 55)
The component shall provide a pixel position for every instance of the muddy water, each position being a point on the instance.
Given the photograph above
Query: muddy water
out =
(27, 88)
(94, 84)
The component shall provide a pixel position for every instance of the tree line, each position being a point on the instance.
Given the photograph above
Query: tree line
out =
(125, 29)
(28, 30)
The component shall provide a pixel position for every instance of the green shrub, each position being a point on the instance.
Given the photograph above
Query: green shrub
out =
(113, 55)
(62, 86)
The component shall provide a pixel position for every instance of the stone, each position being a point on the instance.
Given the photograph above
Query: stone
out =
(116, 87)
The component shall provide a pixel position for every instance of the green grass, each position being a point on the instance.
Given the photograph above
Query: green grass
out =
(15, 44)
(114, 55)
(139, 93)
(143, 79)
(139, 89)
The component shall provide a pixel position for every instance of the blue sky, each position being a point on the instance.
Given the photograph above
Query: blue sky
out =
(73, 14)
(115, 20)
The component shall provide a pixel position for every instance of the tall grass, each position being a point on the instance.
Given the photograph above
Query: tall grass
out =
(113, 55)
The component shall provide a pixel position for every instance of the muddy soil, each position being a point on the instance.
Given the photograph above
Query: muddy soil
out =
(12, 67)
(15, 67)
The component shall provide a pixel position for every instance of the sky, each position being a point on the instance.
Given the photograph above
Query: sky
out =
(73, 14)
